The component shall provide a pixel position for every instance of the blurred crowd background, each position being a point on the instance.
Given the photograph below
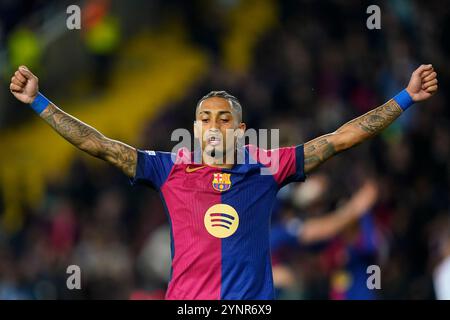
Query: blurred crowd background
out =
(135, 71)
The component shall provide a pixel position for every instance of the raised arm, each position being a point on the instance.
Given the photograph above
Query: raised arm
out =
(24, 86)
(422, 85)
(331, 224)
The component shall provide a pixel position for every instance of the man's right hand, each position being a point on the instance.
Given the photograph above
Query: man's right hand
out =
(24, 85)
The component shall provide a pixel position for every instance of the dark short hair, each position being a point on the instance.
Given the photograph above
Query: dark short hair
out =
(234, 102)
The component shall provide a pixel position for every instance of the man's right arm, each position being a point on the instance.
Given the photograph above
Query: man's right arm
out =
(24, 86)
(91, 141)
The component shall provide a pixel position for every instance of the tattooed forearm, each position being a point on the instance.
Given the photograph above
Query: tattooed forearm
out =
(67, 126)
(376, 120)
(91, 141)
(350, 134)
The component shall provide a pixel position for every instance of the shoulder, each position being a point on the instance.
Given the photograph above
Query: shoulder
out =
(267, 155)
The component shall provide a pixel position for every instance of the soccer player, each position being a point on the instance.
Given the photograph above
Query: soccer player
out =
(219, 212)
(321, 232)
(293, 230)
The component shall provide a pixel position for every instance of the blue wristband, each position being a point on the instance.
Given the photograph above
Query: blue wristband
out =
(404, 100)
(40, 103)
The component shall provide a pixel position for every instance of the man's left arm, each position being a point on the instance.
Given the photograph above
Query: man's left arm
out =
(423, 85)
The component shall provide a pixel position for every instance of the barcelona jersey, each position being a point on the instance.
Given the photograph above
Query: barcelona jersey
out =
(220, 219)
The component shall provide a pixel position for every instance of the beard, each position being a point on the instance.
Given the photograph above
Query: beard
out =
(216, 152)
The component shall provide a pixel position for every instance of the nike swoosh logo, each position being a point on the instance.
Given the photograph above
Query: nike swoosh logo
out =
(189, 169)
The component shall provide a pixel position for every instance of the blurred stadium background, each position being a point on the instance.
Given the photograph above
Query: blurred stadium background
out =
(135, 71)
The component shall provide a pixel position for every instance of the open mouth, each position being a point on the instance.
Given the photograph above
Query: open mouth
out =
(213, 140)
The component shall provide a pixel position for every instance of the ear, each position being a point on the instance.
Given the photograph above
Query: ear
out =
(239, 132)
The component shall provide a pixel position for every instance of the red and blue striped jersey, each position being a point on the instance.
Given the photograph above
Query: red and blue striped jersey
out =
(220, 220)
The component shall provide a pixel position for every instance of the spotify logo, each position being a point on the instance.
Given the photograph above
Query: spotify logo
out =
(221, 220)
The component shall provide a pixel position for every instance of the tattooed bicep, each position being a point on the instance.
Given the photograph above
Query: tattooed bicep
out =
(318, 150)
(120, 155)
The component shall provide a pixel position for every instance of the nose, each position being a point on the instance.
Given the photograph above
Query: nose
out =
(214, 126)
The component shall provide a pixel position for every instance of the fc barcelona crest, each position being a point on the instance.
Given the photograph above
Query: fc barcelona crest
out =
(221, 181)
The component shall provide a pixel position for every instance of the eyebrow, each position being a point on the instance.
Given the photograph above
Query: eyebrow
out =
(220, 112)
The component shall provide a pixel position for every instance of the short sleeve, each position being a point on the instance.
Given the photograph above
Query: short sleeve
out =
(152, 168)
(292, 165)
(284, 164)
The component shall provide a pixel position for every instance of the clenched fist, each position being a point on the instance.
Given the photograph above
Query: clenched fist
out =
(24, 85)
(423, 83)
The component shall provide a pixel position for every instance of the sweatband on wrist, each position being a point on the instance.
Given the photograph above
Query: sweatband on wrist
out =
(403, 99)
(40, 103)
